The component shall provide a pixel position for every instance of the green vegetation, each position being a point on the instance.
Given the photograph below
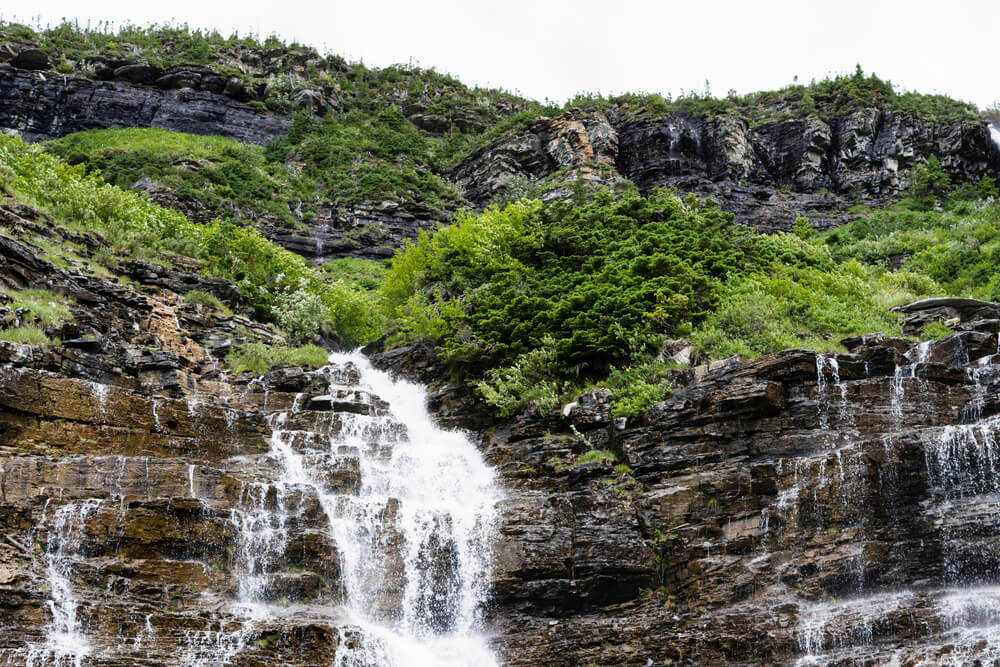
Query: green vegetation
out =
(42, 305)
(841, 94)
(934, 331)
(211, 177)
(356, 157)
(594, 455)
(259, 358)
(31, 335)
(363, 274)
(276, 283)
(958, 247)
(541, 301)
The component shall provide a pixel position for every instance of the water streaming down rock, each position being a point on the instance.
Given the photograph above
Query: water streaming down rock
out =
(413, 525)
(359, 516)
(66, 643)
(423, 517)
(962, 472)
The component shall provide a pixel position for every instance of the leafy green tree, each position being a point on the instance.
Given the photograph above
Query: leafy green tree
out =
(928, 183)
(803, 228)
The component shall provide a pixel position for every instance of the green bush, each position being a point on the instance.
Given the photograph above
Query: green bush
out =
(605, 281)
(934, 331)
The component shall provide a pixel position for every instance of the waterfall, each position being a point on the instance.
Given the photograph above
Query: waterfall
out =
(361, 517)
(414, 535)
(440, 498)
(995, 133)
(66, 644)
(962, 471)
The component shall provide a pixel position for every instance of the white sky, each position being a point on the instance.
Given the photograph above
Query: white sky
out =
(556, 48)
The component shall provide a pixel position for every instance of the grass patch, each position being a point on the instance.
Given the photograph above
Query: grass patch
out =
(259, 358)
(364, 274)
(49, 308)
(209, 300)
(594, 455)
(31, 335)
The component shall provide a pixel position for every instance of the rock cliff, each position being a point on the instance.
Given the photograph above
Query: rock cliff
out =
(796, 509)
(766, 173)
(45, 105)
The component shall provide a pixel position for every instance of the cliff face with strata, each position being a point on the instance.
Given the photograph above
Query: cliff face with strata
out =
(766, 174)
(828, 509)
(795, 509)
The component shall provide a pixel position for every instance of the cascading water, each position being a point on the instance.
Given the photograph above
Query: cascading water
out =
(66, 643)
(414, 537)
(440, 498)
(399, 514)
(962, 466)
(995, 133)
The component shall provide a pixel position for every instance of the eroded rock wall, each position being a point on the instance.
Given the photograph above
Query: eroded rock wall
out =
(795, 509)
(766, 173)
(43, 106)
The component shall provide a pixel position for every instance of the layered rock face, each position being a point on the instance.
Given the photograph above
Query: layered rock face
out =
(766, 174)
(43, 106)
(372, 230)
(798, 509)
(134, 477)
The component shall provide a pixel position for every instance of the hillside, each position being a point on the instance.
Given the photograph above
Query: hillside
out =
(702, 381)
(376, 155)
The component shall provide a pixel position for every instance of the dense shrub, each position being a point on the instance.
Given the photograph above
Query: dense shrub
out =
(605, 281)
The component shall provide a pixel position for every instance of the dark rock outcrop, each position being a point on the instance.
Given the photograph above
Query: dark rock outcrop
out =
(766, 174)
(44, 106)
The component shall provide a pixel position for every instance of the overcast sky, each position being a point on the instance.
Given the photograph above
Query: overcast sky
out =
(556, 48)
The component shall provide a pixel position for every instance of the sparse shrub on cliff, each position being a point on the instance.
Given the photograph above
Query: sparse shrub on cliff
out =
(934, 331)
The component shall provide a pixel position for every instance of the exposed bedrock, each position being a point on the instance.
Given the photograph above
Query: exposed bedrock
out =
(795, 509)
(766, 174)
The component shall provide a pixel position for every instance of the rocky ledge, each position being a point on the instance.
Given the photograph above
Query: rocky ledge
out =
(43, 105)
(766, 174)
